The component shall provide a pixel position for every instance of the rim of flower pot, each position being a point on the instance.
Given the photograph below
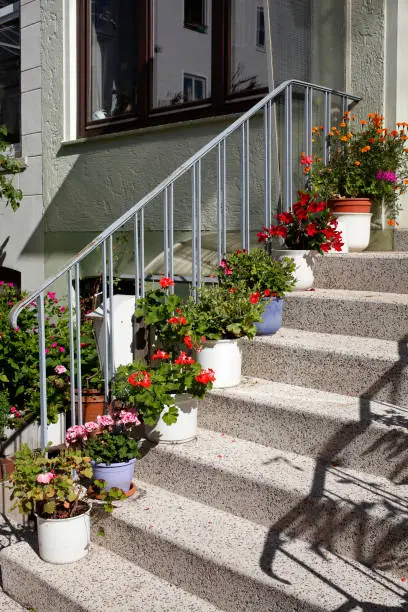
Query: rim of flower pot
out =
(115, 464)
(352, 214)
(212, 342)
(298, 251)
(69, 518)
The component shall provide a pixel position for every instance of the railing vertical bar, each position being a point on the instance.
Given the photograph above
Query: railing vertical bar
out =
(78, 343)
(247, 186)
(243, 186)
(171, 234)
(111, 330)
(136, 256)
(43, 371)
(326, 127)
(198, 202)
(343, 105)
(219, 216)
(310, 143)
(194, 228)
(105, 325)
(270, 163)
(306, 124)
(166, 231)
(266, 166)
(142, 254)
(224, 197)
(71, 346)
(287, 195)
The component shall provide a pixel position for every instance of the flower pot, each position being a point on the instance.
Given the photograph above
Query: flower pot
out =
(304, 266)
(64, 540)
(224, 357)
(350, 205)
(115, 475)
(358, 229)
(271, 318)
(185, 428)
(93, 404)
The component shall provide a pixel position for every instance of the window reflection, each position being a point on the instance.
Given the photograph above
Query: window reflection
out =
(113, 58)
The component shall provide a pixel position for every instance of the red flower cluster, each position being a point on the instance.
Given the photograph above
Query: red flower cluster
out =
(184, 359)
(166, 282)
(310, 225)
(160, 355)
(254, 297)
(140, 379)
(177, 321)
(205, 376)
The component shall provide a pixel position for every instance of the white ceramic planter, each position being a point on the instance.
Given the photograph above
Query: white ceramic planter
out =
(185, 428)
(64, 540)
(357, 228)
(304, 266)
(224, 357)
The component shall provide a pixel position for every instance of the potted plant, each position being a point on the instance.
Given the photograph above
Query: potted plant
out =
(309, 228)
(50, 487)
(267, 279)
(366, 166)
(217, 319)
(109, 444)
(165, 395)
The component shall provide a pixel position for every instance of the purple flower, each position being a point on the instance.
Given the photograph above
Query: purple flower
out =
(386, 175)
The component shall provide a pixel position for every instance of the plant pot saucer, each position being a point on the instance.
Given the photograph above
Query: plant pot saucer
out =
(92, 495)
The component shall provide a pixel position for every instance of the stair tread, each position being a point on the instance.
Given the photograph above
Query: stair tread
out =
(374, 348)
(103, 580)
(9, 605)
(350, 295)
(340, 408)
(321, 579)
(296, 474)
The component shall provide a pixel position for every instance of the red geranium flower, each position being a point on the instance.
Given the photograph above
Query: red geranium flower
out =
(267, 293)
(160, 355)
(177, 321)
(140, 379)
(188, 341)
(184, 359)
(254, 297)
(166, 282)
(205, 376)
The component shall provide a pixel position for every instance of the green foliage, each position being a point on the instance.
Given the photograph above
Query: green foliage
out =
(258, 271)
(222, 312)
(156, 308)
(4, 409)
(356, 158)
(108, 447)
(9, 165)
(164, 381)
(60, 493)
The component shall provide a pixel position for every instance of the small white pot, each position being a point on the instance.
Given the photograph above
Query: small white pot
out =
(358, 229)
(64, 540)
(185, 428)
(304, 266)
(225, 358)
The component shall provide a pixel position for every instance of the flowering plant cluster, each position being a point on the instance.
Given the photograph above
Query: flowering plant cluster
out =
(19, 369)
(108, 439)
(368, 162)
(153, 389)
(260, 273)
(51, 486)
(310, 226)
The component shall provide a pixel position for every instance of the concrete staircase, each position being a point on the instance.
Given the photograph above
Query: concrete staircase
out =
(294, 496)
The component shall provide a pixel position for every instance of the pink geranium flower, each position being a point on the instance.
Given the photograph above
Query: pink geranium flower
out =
(46, 477)
(60, 369)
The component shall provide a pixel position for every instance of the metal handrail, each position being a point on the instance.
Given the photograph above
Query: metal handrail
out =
(136, 213)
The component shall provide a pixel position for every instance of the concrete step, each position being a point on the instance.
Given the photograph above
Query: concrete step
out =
(9, 605)
(367, 436)
(289, 493)
(101, 581)
(379, 271)
(238, 565)
(353, 313)
(349, 365)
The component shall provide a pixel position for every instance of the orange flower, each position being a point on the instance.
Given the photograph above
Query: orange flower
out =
(379, 131)
(342, 124)
(382, 139)
(406, 150)
(353, 116)
(321, 127)
(344, 138)
(346, 113)
(370, 115)
(356, 163)
(363, 122)
(394, 133)
(391, 222)
(313, 140)
(406, 181)
(371, 140)
(404, 137)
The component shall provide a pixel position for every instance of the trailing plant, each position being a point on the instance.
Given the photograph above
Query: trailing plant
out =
(9, 165)
(310, 226)
(51, 486)
(258, 271)
(366, 161)
(151, 390)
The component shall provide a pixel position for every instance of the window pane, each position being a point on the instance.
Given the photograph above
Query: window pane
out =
(113, 83)
(260, 27)
(10, 70)
(180, 53)
(248, 60)
(194, 14)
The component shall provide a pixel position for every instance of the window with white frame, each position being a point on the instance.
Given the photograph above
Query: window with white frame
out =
(194, 88)
(10, 88)
(260, 27)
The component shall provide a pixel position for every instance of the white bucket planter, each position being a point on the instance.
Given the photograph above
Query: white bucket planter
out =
(64, 540)
(225, 358)
(358, 229)
(185, 428)
(304, 266)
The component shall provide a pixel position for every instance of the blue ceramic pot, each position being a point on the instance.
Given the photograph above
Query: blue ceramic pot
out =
(271, 319)
(115, 475)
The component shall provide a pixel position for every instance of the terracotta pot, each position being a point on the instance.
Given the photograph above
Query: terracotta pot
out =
(6, 467)
(350, 205)
(93, 404)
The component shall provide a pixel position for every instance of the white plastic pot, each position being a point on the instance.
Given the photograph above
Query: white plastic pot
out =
(185, 428)
(304, 266)
(358, 229)
(224, 357)
(64, 540)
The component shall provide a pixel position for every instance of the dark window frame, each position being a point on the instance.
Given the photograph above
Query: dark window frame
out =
(220, 103)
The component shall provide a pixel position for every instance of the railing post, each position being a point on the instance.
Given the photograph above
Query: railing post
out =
(71, 346)
(287, 192)
(43, 372)
(78, 343)
(326, 126)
